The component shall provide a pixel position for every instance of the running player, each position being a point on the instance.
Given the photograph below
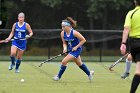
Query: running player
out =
(18, 47)
(128, 63)
(72, 40)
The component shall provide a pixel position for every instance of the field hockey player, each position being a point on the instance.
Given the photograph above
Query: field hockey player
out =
(72, 40)
(18, 47)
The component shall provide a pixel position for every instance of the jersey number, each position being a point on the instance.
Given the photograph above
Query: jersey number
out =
(69, 43)
(19, 34)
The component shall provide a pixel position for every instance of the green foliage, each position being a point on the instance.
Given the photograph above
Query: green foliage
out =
(10, 4)
(49, 13)
(97, 7)
(51, 3)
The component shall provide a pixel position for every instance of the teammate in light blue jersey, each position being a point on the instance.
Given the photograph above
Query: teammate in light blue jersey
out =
(18, 47)
(72, 41)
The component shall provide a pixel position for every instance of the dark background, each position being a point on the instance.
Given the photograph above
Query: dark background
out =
(47, 14)
(99, 21)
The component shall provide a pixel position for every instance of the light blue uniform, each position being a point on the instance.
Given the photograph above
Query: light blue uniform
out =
(20, 33)
(72, 42)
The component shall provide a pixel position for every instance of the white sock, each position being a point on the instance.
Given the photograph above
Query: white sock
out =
(127, 66)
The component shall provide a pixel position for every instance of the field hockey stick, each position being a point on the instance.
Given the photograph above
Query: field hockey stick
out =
(118, 61)
(5, 41)
(52, 58)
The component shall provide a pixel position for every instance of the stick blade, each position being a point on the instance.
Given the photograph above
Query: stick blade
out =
(40, 65)
(110, 68)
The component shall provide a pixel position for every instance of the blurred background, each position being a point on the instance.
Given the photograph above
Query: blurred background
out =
(99, 21)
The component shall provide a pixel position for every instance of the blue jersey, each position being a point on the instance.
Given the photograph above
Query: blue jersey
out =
(72, 41)
(20, 32)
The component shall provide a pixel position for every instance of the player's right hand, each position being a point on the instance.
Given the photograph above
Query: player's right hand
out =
(7, 40)
(123, 49)
(64, 50)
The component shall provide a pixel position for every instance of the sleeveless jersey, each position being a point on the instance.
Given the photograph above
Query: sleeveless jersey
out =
(20, 32)
(71, 40)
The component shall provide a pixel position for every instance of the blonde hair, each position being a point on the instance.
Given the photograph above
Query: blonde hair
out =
(21, 14)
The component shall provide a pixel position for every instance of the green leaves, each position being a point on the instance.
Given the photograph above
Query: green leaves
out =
(96, 7)
(51, 3)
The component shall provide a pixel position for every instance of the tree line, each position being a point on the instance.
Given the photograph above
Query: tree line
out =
(47, 14)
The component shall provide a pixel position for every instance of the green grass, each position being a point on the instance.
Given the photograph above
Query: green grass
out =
(39, 80)
(85, 58)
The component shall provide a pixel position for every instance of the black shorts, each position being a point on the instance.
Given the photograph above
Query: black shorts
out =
(135, 48)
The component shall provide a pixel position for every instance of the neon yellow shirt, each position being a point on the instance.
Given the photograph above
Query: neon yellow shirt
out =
(134, 22)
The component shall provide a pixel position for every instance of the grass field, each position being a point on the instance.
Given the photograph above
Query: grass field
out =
(39, 80)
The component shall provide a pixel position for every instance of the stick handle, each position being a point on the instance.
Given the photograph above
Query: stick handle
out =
(18, 39)
(53, 58)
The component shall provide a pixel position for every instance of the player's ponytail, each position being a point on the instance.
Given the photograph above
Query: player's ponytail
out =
(72, 22)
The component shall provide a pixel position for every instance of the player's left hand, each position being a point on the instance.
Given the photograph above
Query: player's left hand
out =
(27, 36)
(74, 49)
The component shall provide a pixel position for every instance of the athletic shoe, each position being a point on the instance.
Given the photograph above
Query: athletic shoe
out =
(16, 70)
(11, 67)
(125, 75)
(91, 75)
(56, 78)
